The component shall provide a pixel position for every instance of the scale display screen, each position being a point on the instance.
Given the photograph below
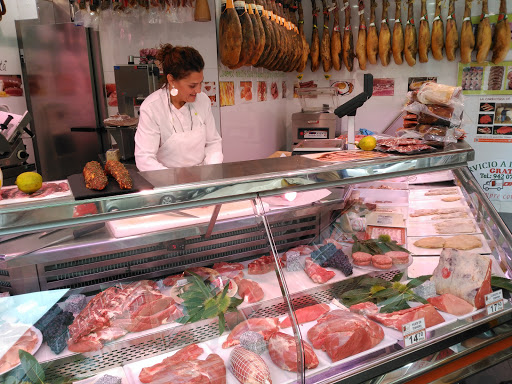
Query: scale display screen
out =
(317, 133)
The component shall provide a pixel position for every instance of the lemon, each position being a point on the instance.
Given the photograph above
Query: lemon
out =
(29, 182)
(367, 143)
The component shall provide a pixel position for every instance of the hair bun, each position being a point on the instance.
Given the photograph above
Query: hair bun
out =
(165, 49)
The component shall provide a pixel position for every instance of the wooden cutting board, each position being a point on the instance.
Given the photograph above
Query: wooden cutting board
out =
(80, 192)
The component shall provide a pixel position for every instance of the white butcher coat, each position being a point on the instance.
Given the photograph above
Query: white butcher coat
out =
(166, 139)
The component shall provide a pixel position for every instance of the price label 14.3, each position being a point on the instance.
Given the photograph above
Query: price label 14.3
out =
(414, 332)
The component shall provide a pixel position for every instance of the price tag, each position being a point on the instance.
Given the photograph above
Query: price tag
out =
(414, 332)
(494, 302)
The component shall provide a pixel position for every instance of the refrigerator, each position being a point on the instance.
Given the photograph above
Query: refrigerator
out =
(63, 79)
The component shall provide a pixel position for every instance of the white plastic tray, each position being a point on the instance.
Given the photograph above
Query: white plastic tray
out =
(437, 251)
(423, 228)
(419, 195)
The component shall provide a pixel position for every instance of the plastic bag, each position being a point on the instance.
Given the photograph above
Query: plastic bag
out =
(435, 114)
(441, 94)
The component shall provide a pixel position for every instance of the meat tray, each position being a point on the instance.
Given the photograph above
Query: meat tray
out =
(419, 195)
(384, 196)
(418, 219)
(23, 329)
(395, 267)
(34, 198)
(484, 249)
(133, 370)
(433, 177)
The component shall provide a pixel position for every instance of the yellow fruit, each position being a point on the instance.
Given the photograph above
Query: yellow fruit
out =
(367, 143)
(29, 182)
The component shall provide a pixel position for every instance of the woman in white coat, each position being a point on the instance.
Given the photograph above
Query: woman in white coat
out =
(176, 125)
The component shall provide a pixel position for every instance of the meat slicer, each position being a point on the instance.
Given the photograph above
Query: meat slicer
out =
(13, 153)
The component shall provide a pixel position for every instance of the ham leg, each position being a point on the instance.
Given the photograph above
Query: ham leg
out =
(385, 36)
(230, 36)
(452, 36)
(397, 44)
(336, 41)
(501, 35)
(314, 52)
(361, 38)
(424, 41)
(305, 45)
(348, 41)
(483, 35)
(372, 38)
(467, 38)
(325, 43)
(410, 39)
(437, 34)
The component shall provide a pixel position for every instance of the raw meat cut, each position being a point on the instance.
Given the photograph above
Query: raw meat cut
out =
(317, 273)
(397, 319)
(410, 37)
(340, 326)
(191, 352)
(132, 307)
(302, 249)
(248, 367)
(283, 352)
(250, 290)
(451, 198)
(230, 36)
(230, 270)
(430, 242)
(348, 41)
(11, 337)
(365, 308)
(501, 35)
(464, 274)
(263, 265)
(209, 371)
(361, 38)
(424, 40)
(372, 36)
(441, 191)
(440, 211)
(451, 304)
(306, 314)
(437, 33)
(267, 326)
(483, 34)
(169, 281)
(397, 44)
(467, 37)
(452, 36)
(384, 36)
(463, 242)
(205, 273)
(504, 130)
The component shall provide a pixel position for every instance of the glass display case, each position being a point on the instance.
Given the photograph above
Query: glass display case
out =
(278, 270)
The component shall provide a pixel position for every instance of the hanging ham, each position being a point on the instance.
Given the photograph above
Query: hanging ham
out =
(361, 38)
(437, 33)
(325, 43)
(424, 41)
(315, 41)
(348, 41)
(305, 45)
(230, 36)
(452, 36)
(483, 35)
(336, 41)
(410, 38)
(269, 45)
(384, 36)
(259, 34)
(501, 35)
(248, 41)
(467, 38)
(281, 38)
(372, 39)
(397, 44)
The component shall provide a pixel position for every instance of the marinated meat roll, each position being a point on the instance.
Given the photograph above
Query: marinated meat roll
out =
(120, 173)
(95, 177)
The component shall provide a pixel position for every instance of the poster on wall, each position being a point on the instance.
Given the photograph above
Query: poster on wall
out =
(284, 88)
(10, 85)
(274, 90)
(227, 93)
(485, 78)
(494, 122)
(344, 87)
(210, 89)
(383, 87)
(245, 91)
(262, 91)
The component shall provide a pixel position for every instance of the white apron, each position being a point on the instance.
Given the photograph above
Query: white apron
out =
(184, 149)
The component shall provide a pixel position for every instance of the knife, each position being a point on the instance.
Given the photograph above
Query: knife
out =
(18, 235)
(77, 233)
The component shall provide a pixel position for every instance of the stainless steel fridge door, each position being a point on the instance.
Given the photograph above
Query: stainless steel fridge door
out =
(62, 97)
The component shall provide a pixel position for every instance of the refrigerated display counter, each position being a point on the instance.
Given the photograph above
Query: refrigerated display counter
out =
(218, 272)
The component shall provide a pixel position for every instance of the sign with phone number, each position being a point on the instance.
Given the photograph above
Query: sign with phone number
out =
(414, 332)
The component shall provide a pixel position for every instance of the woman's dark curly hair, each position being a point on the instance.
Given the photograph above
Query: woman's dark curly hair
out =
(179, 62)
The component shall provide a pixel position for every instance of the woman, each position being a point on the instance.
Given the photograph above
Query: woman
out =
(176, 126)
